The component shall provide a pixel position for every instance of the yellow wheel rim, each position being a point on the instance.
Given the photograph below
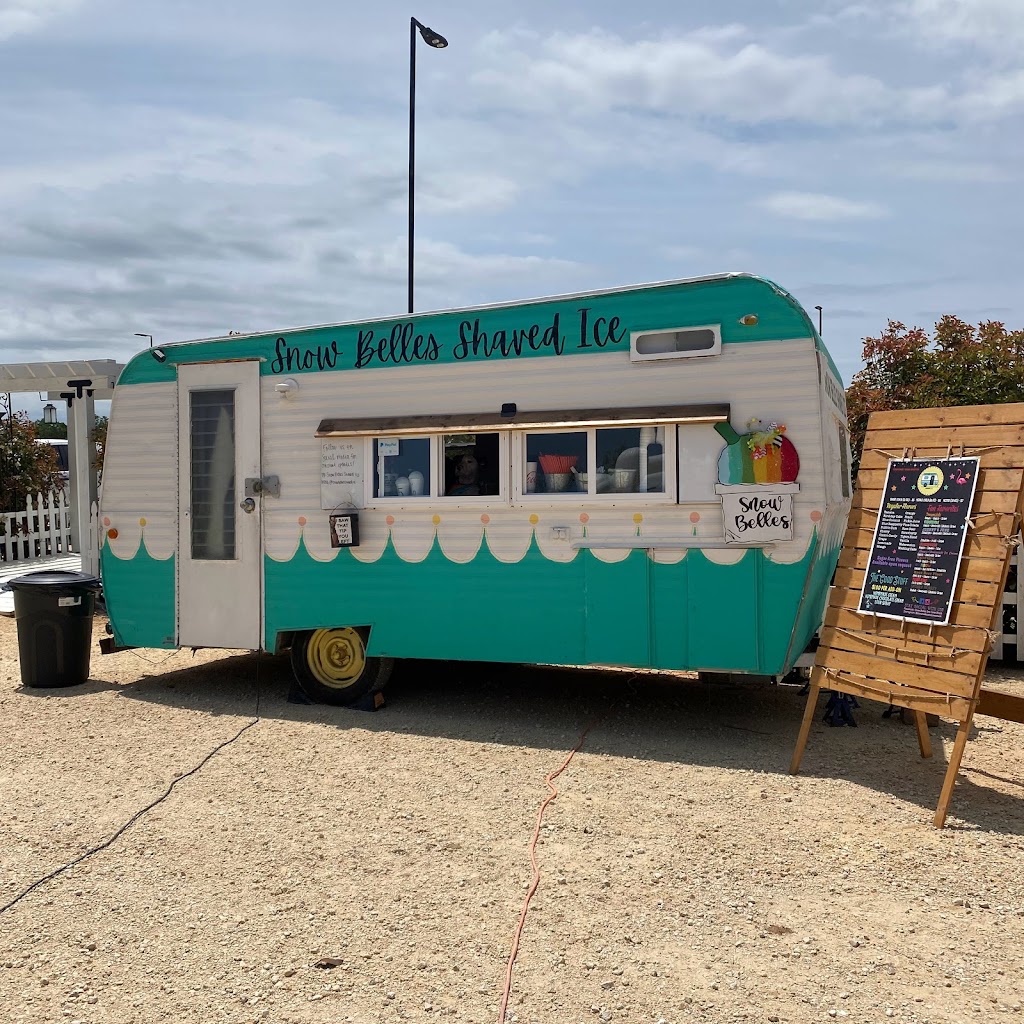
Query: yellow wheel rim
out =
(336, 657)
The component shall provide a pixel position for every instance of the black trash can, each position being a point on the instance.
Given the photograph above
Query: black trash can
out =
(54, 612)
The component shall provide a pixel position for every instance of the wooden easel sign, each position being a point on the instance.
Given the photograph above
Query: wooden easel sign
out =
(915, 601)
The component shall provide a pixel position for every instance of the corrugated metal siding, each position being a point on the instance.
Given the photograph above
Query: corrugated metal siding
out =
(776, 381)
(140, 470)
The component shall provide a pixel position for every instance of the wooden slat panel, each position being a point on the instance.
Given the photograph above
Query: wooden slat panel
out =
(1008, 706)
(931, 680)
(988, 501)
(960, 614)
(908, 652)
(972, 638)
(953, 707)
(975, 546)
(961, 415)
(988, 480)
(981, 436)
(967, 591)
(865, 517)
(972, 567)
(875, 456)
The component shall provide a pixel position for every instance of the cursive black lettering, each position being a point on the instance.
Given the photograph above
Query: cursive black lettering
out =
(291, 358)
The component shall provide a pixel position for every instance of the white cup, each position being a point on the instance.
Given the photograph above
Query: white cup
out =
(531, 477)
(402, 486)
(416, 483)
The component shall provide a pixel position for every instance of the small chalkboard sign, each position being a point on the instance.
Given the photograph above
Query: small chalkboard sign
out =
(919, 539)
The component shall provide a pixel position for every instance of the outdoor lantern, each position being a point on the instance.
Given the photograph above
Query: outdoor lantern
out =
(49, 413)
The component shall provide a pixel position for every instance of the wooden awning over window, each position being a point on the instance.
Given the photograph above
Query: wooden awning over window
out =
(476, 422)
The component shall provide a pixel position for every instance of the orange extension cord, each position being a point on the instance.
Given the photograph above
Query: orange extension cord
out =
(535, 881)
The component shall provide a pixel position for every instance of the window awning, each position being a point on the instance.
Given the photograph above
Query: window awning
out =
(460, 423)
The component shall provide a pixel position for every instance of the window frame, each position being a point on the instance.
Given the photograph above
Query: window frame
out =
(667, 496)
(435, 492)
(512, 430)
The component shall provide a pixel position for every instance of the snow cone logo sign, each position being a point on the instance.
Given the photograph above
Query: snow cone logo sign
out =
(757, 474)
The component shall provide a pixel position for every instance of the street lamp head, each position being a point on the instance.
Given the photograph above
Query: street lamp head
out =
(49, 413)
(430, 37)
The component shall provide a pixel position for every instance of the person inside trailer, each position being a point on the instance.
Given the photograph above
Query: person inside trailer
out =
(467, 475)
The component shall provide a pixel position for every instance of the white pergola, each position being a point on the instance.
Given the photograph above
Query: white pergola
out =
(79, 383)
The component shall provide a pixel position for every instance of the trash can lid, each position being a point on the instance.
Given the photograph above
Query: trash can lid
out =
(55, 578)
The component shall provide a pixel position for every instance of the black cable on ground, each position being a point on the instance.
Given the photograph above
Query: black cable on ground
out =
(138, 814)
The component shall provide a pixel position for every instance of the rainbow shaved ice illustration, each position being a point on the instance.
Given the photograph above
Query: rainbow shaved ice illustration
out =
(762, 456)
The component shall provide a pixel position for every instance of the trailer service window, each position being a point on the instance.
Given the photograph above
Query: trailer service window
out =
(556, 456)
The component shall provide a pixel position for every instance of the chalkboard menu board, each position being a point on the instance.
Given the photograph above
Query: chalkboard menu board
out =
(919, 539)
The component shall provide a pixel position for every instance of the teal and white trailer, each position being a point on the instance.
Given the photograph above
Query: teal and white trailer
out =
(661, 480)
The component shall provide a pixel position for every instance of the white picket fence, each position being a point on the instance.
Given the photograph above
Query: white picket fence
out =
(43, 530)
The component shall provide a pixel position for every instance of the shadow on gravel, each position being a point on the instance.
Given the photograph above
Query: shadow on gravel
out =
(649, 716)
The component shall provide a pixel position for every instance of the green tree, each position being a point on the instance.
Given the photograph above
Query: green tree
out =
(99, 438)
(25, 467)
(958, 364)
(55, 430)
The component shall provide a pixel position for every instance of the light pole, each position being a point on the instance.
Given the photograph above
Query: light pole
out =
(431, 38)
(150, 336)
(818, 308)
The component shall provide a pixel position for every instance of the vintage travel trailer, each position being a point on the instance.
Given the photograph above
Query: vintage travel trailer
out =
(652, 476)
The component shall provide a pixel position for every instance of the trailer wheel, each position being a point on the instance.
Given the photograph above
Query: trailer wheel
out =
(332, 667)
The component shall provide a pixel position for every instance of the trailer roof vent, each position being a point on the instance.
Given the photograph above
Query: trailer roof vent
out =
(676, 343)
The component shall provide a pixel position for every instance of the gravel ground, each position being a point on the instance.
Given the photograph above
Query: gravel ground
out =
(685, 876)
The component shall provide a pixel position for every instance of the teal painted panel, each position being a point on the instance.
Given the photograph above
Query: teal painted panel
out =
(694, 614)
(543, 328)
(617, 604)
(670, 599)
(722, 613)
(139, 594)
(481, 610)
(783, 588)
(811, 615)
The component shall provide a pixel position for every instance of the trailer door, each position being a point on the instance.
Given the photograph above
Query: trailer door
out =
(219, 525)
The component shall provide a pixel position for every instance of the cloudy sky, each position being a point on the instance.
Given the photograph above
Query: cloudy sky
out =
(188, 168)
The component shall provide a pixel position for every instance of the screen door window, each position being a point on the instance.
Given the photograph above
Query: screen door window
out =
(212, 425)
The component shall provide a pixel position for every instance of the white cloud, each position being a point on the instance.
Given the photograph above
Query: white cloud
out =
(994, 97)
(945, 169)
(20, 16)
(694, 75)
(993, 24)
(814, 206)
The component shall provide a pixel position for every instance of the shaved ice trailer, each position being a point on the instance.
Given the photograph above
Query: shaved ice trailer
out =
(652, 476)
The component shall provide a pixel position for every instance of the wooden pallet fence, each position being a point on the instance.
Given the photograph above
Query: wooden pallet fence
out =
(929, 668)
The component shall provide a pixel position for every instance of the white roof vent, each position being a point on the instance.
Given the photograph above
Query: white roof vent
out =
(676, 342)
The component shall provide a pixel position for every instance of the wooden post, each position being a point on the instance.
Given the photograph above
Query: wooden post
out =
(955, 757)
(805, 725)
(924, 741)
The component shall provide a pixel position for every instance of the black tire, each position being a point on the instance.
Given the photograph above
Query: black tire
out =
(331, 665)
